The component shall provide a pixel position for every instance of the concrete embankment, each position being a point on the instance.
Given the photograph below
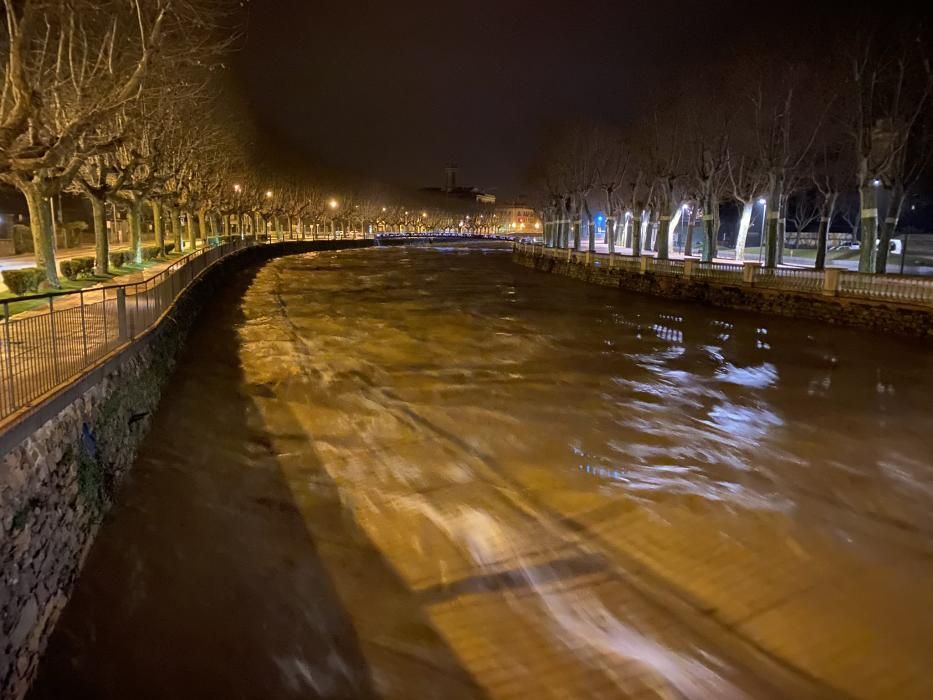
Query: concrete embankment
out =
(900, 319)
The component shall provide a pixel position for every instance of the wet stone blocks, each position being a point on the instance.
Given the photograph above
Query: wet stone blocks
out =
(52, 497)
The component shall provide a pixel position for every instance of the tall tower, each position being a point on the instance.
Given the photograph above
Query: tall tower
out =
(450, 177)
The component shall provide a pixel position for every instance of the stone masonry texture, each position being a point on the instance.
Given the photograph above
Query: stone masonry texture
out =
(57, 484)
(887, 318)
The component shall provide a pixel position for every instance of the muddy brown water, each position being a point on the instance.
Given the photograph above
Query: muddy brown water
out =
(432, 473)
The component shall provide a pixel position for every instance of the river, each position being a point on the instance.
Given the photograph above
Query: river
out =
(431, 473)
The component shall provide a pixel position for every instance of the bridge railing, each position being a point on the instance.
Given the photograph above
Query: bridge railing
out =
(899, 289)
(41, 349)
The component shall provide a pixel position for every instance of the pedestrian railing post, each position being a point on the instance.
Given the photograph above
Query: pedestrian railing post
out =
(135, 314)
(123, 333)
(831, 277)
(748, 272)
(9, 355)
(690, 267)
(83, 326)
(643, 264)
(54, 343)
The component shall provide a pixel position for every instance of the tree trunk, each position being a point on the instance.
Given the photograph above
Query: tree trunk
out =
(644, 230)
(741, 238)
(190, 225)
(202, 225)
(157, 225)
(637, 231)
(610, 223)
(710, 228)
(40, 223)
(888, 226)
(781, 228)
(101, 242)
(176, 228)
(591, 229)
(688, 239)
(771, 228)
(664, 236)
(869, 202)
(822, 236)
(133, 216)
(225, 223)
(577, 222)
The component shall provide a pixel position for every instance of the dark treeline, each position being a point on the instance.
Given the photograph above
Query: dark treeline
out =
(838, 111)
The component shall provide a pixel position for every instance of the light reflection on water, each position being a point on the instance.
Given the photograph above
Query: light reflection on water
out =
(546, 466)
(571, 392)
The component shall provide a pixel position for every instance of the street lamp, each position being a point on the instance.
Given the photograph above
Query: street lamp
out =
(237, 188)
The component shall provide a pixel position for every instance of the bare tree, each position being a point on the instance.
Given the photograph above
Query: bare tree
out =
(889, 94)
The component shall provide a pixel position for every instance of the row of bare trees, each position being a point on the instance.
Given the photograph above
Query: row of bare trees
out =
(107, 98)
(861, 123)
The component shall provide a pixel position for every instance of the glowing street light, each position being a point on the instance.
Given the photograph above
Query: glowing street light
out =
(237, 189)
(762, 201)
(268, 194)
(332, 204)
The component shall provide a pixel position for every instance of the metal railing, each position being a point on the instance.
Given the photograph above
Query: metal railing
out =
(44, 348)
(899, 289)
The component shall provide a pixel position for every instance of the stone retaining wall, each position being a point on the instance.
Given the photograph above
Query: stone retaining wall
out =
(63, 461)
(889, 318)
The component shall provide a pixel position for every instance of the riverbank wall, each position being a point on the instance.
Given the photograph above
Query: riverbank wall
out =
(740, 289)
(62, 460)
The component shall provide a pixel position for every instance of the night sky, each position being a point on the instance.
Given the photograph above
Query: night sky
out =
(391, 91)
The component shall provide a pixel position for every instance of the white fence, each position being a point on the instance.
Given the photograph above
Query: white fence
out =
(900, 289)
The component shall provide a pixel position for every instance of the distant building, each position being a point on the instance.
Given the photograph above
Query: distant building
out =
(518, 219)
(452, 190)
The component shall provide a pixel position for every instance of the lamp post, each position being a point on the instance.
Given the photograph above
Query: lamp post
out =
(333, 228)
(239, 214)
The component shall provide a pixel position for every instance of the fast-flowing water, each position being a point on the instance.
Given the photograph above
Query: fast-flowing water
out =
(432, 473)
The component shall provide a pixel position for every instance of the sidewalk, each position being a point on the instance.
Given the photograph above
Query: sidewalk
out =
(66, 333)
(67, 301)
(18, 262)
